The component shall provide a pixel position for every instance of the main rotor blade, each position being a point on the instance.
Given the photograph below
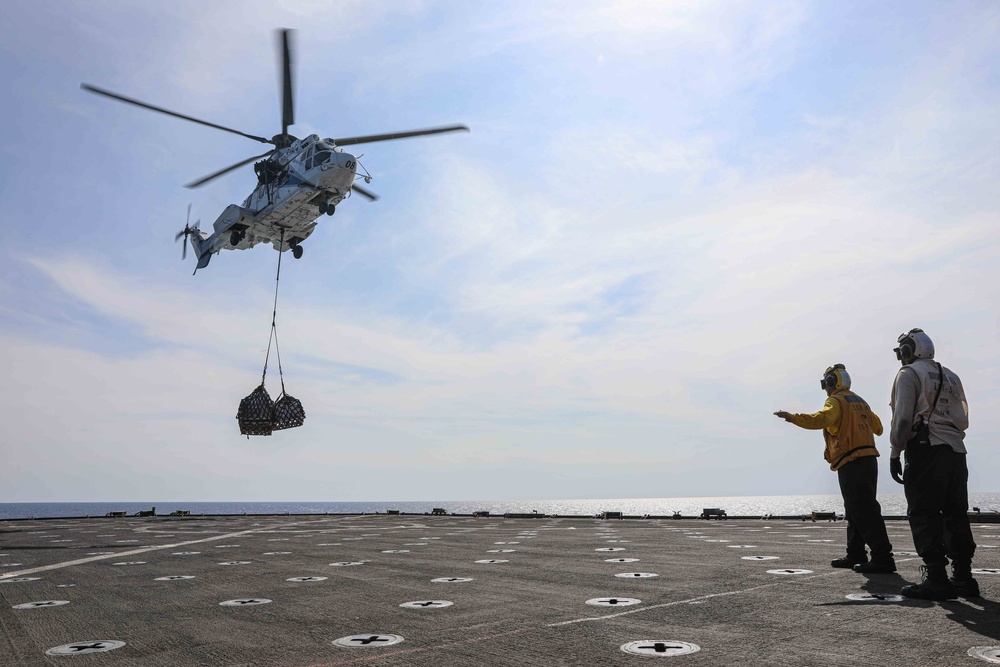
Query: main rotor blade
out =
(228, 169)
(287, 111)
(365, 193)
(129, 100)
(347, 141)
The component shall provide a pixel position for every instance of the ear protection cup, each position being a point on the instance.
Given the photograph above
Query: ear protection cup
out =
(914, 344)
(836, 377)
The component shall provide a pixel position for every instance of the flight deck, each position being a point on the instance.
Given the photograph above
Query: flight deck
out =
(325, 590)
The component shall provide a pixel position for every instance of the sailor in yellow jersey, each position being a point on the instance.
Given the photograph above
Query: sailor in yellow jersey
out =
(849, 430)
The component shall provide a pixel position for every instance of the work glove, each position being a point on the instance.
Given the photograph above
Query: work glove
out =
(896, 469)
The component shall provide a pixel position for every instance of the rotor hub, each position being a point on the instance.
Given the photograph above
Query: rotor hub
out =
(283, 140)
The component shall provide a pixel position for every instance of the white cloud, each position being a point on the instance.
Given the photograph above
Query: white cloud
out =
(620, 296)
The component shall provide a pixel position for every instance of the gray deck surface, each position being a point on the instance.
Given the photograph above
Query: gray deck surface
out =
(529, 610)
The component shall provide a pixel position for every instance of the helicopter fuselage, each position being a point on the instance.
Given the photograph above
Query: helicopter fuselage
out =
(296, 186)
(297, 181)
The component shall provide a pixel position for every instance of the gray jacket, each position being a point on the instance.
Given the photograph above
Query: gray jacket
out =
(912, 395)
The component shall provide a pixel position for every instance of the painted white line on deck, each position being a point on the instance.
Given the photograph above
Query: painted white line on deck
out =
(119, 554)
(382, 656)
(700, 598)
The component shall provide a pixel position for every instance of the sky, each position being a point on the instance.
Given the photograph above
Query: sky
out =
(667, 220)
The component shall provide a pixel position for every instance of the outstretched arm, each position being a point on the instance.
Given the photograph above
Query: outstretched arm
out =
(828, 416)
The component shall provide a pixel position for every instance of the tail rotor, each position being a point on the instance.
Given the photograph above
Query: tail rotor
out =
(186, 232)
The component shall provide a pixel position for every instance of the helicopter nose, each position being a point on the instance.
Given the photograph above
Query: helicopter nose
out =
(347, 161)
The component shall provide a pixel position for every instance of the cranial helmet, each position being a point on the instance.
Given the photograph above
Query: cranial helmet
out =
(836, 377)
(914, 344)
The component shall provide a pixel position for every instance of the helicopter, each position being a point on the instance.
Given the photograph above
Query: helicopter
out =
(298, 180)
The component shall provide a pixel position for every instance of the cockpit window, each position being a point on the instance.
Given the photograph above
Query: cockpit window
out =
(322, 156)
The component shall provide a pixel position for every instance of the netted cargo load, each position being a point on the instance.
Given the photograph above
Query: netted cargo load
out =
(256, 413)
(288, 412)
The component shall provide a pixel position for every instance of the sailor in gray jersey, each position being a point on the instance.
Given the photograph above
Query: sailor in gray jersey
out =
(930, 415)
(912, 395)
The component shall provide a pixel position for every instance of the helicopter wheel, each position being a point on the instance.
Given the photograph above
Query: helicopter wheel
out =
(331, 209)
(297, 252)
(322, 208)
(235, 238)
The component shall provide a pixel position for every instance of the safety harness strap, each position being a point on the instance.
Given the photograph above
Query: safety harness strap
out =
(849, 452)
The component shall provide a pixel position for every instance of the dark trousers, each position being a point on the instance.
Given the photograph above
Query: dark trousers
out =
(858, 485)
(936, 482)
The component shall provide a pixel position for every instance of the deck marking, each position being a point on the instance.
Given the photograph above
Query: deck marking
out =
(612, 602)
(985, 653)
(426, 604)
(660, 648)
(133, 552)
(700, 598)
(791, 570)
(88, 646)
(40, 604)
(578, 620)
(383, 655)
(367, 641)
(875, 597)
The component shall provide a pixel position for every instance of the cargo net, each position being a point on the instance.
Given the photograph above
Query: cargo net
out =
(258, 414)
(288, 412)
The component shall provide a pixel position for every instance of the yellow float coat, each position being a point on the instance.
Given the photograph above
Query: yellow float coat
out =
(849, 427)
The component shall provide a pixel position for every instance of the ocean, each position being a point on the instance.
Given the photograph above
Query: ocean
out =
(892, 504)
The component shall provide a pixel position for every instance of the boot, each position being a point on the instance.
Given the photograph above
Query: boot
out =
(961, 579)
(934, 585)
(883, 565)
(847, 562)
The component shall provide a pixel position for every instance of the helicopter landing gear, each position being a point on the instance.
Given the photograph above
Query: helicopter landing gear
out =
(236, 238)
(296, 248)
(326, 207)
